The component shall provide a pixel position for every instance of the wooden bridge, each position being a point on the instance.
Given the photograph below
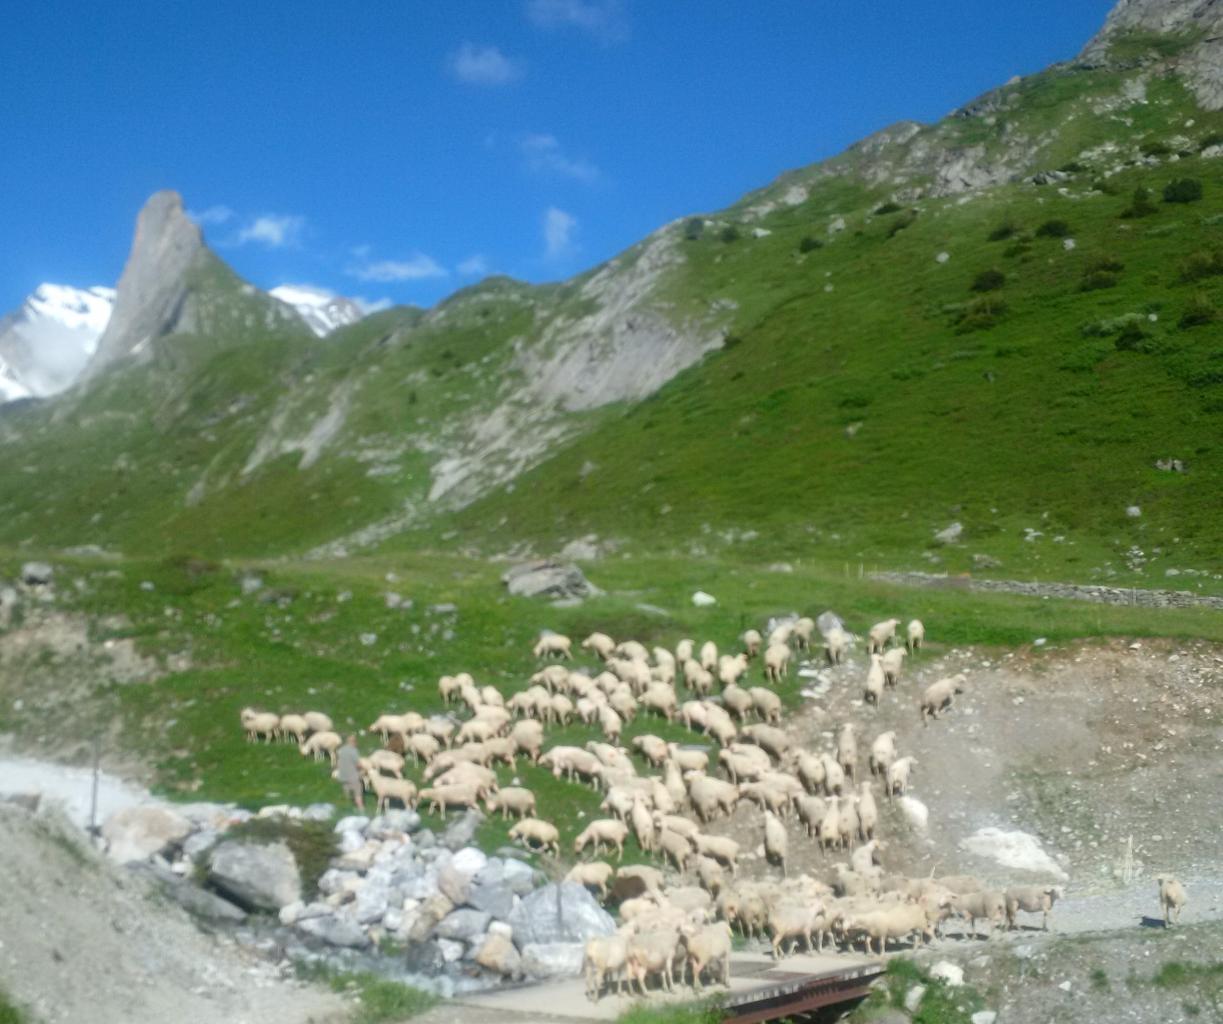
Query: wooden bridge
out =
(761, 989)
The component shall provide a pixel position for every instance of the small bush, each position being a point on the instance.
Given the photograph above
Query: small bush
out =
(1096, 280)
(809, 244)
(1155, 148)
(1074, 167)
(988, 280)
(1007, 229)
(1131, 338)
(1199, 312)
(1053, 229)
(1183, 190)
(729, 234)
(886, 208)
(901, 222)
(694, 229)
(1104, 186)
(1016, 249)
(1202, 265)
(980, 315)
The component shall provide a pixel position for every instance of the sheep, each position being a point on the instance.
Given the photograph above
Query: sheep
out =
(709, 656)
(731, 668)
(836, 645)
(876, 680)
(790, 921)
(422, 747)
(611, 724)
(751, 642)
(321, 743)
(847, 749)
(811, 811)
(868, 812)
(511, 800)
(721, 729)
(1172, 898)
(848, 820)
(710, 947)
(769, 738)
(939, 696)
(386, 761)
(489, 694)
(534, 833)
(631, 650)
(880, 634)
(850, 884)
(1032, 899)
(600, 831)
(316, 721)
(737, 701)
(687, 758)
(883, 752)
(709, 875)
(765, 796)
(594, 875)
(896, 922)
(442, 798)
(810, 770)
(766, 703)
(467, 773)
(604, 956)
(834, 776)
(293, 727)
(830, 826)
(528, 738)
(643, 825)
(623, 703)
(386, 725)
(448, 688)
(675, 848)
(387, 789)
(661, 697)
(865, 857)
(890, 662)
(780, 634)
(476, 730)
(720, 848)
(599, 644)
(776, 662)
(649, 878)
(553, 645)
(739, 766)
(802, 631)
(898, 775)
(649, 953)
(259, 723)
(776, 844)
(683, 651)
(916, 636)
(570, 761)
(753, 914)
(988, 905)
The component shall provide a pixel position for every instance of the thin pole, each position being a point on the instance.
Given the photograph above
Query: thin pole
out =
(93, 798)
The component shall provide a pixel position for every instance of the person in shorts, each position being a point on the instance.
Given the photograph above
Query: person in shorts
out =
(349, 773)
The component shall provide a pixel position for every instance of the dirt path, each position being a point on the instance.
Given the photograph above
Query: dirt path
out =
(1132, 596)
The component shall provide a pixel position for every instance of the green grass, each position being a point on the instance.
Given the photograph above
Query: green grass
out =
(379, 1001)
(9, 1012)
(940, 1004)
(693, 1013)
(1176, 974)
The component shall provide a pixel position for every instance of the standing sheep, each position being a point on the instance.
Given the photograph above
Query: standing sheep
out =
(880, 634)
(916, 636)
(891, 662)
(776, 662)
(553, 645)
(776, 844)
(898, 775)
(534, 832)
(876, 680)
(883, 752)
(259, 723)
(709, 656)
(1172, 897)
(751, 642)
(599, 644)
(602, 831)
(836, 645)
(847, 749)
(1032, 899)
(939, 696)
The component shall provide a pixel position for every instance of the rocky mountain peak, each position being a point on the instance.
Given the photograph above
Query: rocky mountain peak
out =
(153, 286)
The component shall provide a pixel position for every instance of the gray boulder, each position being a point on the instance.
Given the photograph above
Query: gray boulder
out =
(137, 833)
(552, 959)
(463, 925)
(462, 831)
(394, 821)
(454, 883)
(424, 958)
(255, 877)
(353, 823)
(335, 931)
(36, 574)
(496, 899)
(520, 877)
(546, 578)
(196, 901)
(564, 912)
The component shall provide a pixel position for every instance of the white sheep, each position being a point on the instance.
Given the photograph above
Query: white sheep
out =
(320, 744)
(709, 656)
(766, 703)
(259, 723)
(890, 662)
(611, 724)
(553, 645)
(603, 957)
(776, 843)
(599, 644)
(802, 631)
(868, 812)
(602, 831)
(847, 749)
(916, 636)
(535, 833)
(316, 721)
(593, 874)
(683, 651)
(883, 752)
(709, 947)
(986, 905)
(1172, 897)
(879, 635)
(293, 728)
(1032, 899)
(898, 775)
(751, 642)
(511, 800)
(631, 650)
(731, 668)
(940, 695)
(675, 847)
(876, 680)
(776, 662)
(441, 798)
(386, 789)
(836, 645)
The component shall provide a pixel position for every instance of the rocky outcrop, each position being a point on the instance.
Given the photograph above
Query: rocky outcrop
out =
(256, 877)
(545, 578)
(153, 290)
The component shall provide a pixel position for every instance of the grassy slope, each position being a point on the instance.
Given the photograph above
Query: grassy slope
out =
(1028, 423)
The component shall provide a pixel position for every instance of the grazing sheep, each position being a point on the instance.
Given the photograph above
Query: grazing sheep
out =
(709, 656)
(441, 798)
(766, 703)
(675, 848)
(511, 800)
(448, 688)
(810, 770)
(1032, 899)
(898, 775)
(386, 761)
(652, 748)
(698, 679)
(422, 747)
(650, 953)
(765, 796)
(883, 752)
(611, 724)
(687, 758)
(890, 662)
(387, 789)
(834, 776)
(259, 723)
(316, 721)
(1172, 898)
(776, 843)
(868, 812)
(916, 636)
(476, 730)
(294, 728)
(939, 696)
(604, 957)
(847, 749)
(709, 948)
(643, 825)
(776, 662)
(865, 857)
(528, 738)
(709, 875)
(602, 831)
(599, 644)
(537, 834)
(553, 645)
(790, 922)
(594, 875)
(322, 743)
(987, 905)
(723, 849)
(830, 826)
(880, 634)
(683, 651)
(731, 668)
(876, 680)
(751, 642)
(661, 697)
(769, 738)
(811, 811)
(836, 645)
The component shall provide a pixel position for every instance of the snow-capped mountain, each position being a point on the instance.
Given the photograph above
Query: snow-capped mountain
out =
(323, 311)
(46, 343)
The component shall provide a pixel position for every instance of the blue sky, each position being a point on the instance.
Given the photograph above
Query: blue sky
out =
(399, 149)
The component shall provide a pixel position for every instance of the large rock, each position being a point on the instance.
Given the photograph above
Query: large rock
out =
(552, 959)
(335, 931)
(196, 901)
(546, 578)
(464, 925)
(137, 833)
(37, 574)
(455, 884)
(497, 953)
(255, 877)
(496, 899)
(460, 832)
(563, 912)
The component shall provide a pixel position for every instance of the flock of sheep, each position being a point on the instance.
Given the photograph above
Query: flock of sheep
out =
(680, 931)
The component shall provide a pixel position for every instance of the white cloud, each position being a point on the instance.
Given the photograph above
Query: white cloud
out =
(213, 215)
(272, 230)
(603, 19)
(474, 266)
(368, 306)
(483, 65)
(416, 267)
(543, 154)
(559, 227)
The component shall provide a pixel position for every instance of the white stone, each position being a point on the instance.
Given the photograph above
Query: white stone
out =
(703, 600)
(1013, 850)
(915, 811)
(1133, 511)
(951, 973)
(942, 257)
(913, 997)
(984, 1017)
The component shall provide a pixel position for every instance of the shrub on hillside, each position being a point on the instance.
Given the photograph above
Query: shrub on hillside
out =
(1095, 280)
(1016, 249)
(1183, 190)
(1053, 229)
(1140, 204)
(1202, 265)
(886, 208)
(1131, 338)
(1007, 229)
(1199, 312)
(1103, 185)
(729, 234)
(901, 222)
(988, 280)
(809, 244)
(694, 229)
(980, 314)
(1074, 167)
(1155, 147)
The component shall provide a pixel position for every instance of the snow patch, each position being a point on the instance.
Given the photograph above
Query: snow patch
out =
(1012, 850)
